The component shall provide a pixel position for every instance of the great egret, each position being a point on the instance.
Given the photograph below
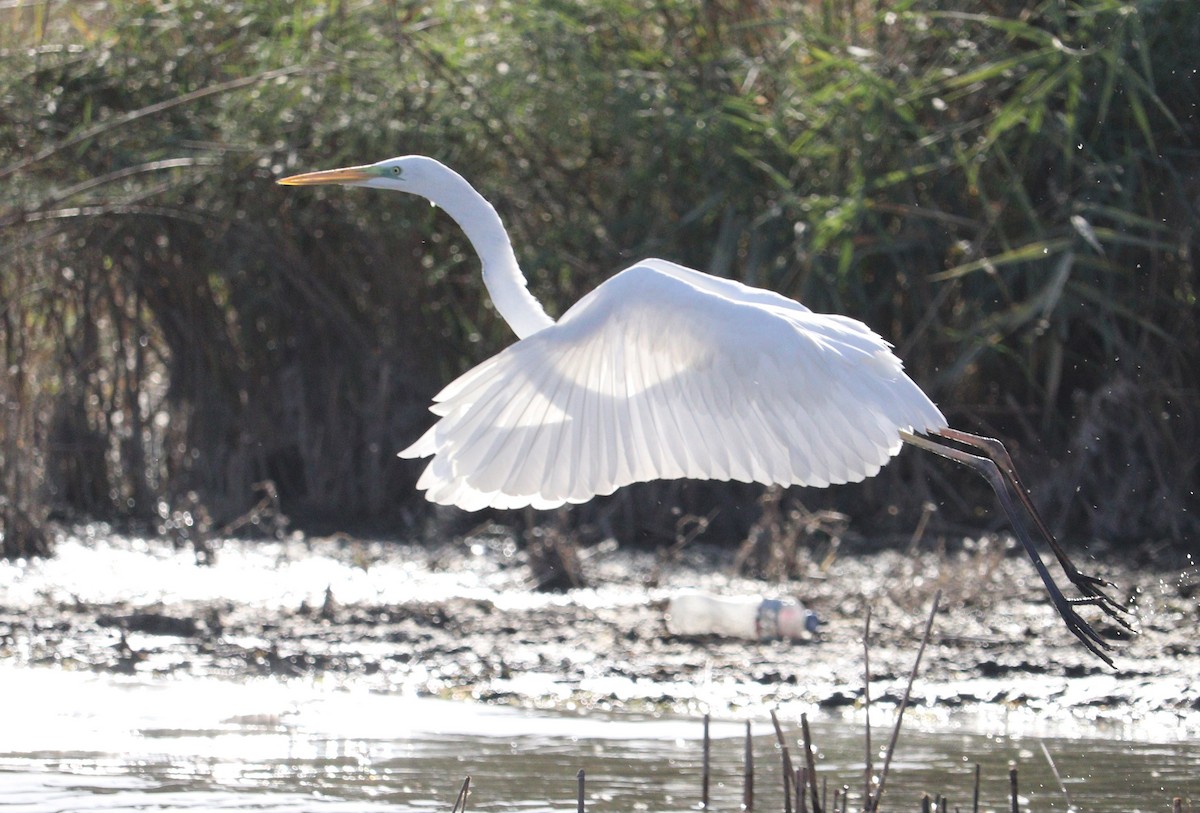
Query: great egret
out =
(665, 372)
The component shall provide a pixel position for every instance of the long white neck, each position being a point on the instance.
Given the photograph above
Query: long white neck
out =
(501, 274)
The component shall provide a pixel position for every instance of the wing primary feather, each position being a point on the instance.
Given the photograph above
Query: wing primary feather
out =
(589, 469)
(605, 428)
(716, 452)
(677, 403)
(649, 460)
(733, 434)
(513, 433)
(707, 448)
(841, 434)
(477, 440)
(619, 417)
(873, 435)
(807, 419)
(727, 414)
(469, 379)
(454, 429)
(773, 441)
(534, 461)
(548, 483)
(862, 438)
(831, 444)
(582, 431)
(797, 443)
(845, 436)
(599, 475)
(672, 442)
(759, 431)
(615, 398)
(746, 421)
(572, 455)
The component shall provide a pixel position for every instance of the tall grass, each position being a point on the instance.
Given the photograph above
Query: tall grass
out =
(1009, 194)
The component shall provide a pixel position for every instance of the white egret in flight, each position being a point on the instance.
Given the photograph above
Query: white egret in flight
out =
(664, 372)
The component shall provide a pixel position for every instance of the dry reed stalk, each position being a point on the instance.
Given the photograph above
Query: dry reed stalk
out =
(786, 756)
(873, 805)
(748, 782)
(811, 764)
(867, 705)
(460, 804)
(1057, 777)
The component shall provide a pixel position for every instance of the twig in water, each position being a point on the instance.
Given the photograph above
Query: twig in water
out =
(1012, 786)
(704, 770)
(787, 763)
(867, 705)
(1054, 770)
(579, 777)
(873, 804)
(975, 804)
(811, 763)
(460, 804)
(748, 784)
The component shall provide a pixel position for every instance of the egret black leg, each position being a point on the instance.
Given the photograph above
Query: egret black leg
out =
(989, 470)
(1090, 586)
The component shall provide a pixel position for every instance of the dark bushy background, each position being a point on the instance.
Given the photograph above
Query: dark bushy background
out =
(1008, 193)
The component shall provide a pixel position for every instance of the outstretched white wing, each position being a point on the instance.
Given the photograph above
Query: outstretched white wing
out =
(663, 372)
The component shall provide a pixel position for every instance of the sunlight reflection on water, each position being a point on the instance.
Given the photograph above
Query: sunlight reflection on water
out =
(79, 741)
(71, 740)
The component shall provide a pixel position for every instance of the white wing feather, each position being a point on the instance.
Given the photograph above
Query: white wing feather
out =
(663, 372)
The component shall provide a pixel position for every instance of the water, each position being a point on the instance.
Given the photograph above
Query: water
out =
(72, 741)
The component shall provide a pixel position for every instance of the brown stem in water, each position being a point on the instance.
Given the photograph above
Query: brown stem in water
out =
(873, 804)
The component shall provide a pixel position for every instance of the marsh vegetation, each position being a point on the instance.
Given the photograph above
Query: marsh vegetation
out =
(1008, 194)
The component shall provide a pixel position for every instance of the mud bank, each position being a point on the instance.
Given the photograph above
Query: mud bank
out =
(460, 622)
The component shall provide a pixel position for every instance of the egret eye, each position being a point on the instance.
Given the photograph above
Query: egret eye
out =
(396, 171)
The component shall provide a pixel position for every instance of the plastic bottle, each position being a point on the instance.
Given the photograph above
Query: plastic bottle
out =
(751, 617)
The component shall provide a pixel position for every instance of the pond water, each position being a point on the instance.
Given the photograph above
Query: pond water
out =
(71, 741)
(74, 739)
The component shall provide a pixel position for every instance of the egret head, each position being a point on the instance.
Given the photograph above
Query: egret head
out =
(408, 173)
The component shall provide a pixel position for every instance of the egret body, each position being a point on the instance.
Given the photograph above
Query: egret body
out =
(665, 372)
